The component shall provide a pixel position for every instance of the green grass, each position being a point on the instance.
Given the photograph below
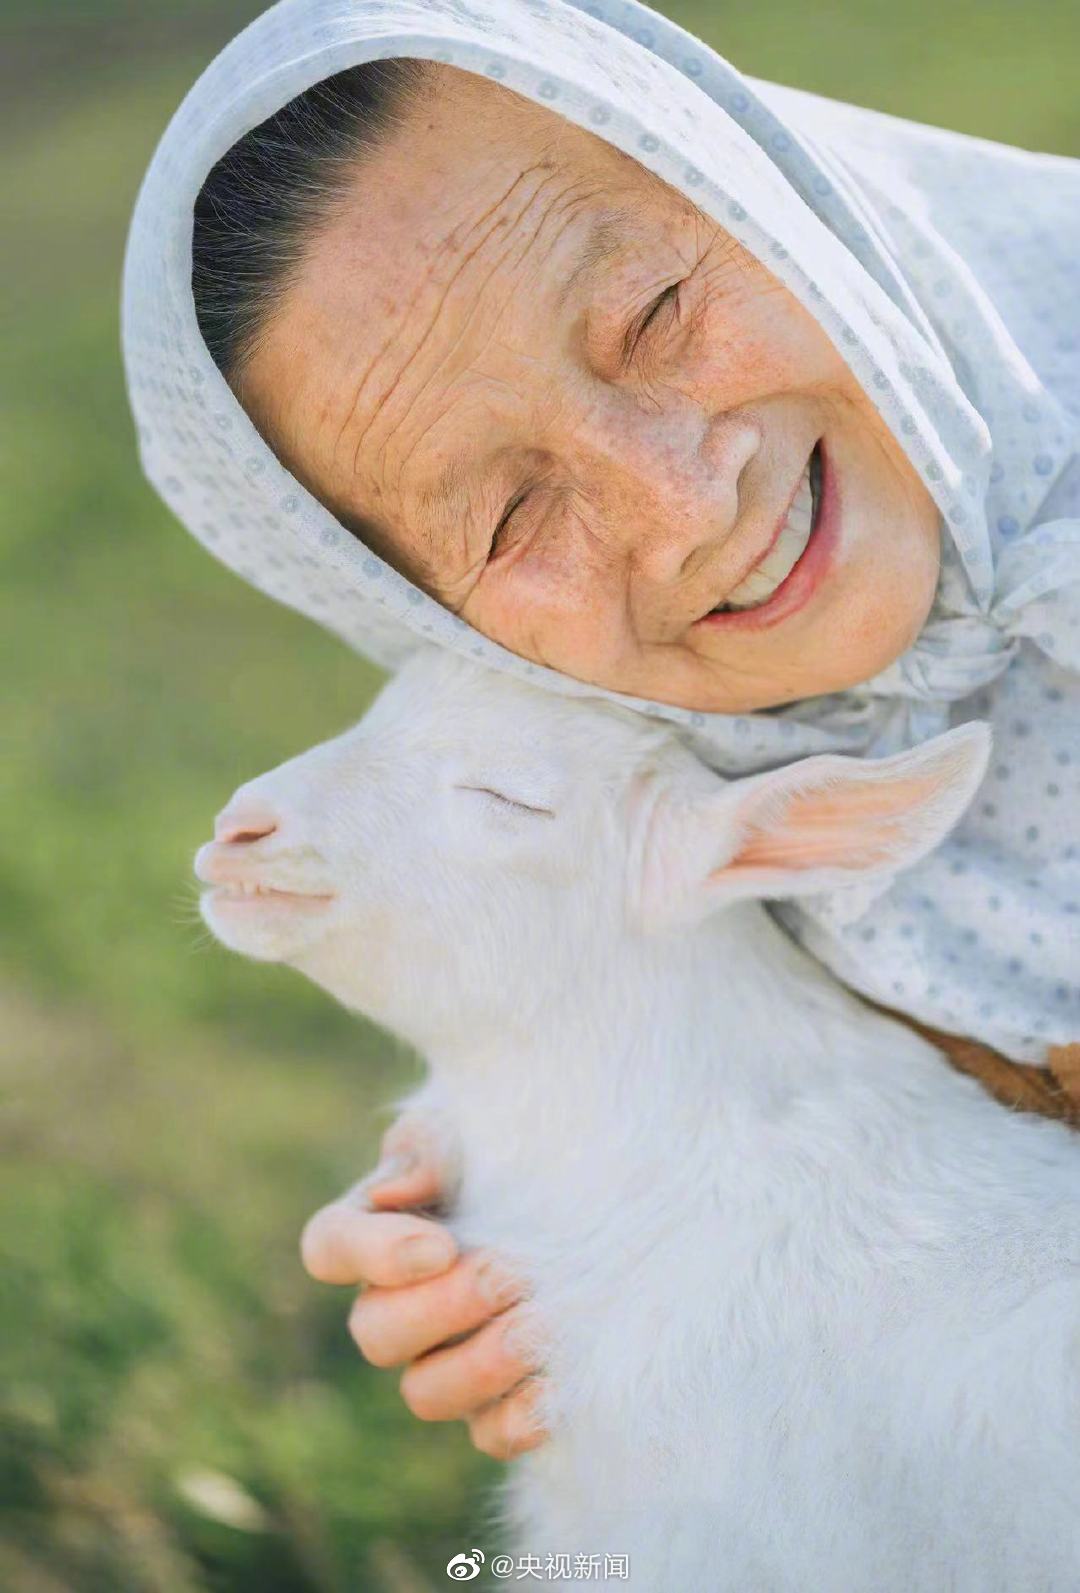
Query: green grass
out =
(173, 1114)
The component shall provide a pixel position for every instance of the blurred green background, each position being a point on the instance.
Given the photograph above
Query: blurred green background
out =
(182, 1407)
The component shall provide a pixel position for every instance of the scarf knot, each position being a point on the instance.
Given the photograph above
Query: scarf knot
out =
(1036, 598)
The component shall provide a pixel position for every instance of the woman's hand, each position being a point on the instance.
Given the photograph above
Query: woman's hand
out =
(419, 1293)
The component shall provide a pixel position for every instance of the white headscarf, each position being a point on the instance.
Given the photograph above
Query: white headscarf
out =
(946, 270)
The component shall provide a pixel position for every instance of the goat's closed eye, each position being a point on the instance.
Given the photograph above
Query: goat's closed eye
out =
(505, 801)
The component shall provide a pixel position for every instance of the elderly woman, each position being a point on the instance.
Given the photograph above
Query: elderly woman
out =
(542, 333)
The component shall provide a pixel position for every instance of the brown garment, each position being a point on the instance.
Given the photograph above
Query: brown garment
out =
(1051, 1091)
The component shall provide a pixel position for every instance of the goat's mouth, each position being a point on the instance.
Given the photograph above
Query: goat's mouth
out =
(250, 895)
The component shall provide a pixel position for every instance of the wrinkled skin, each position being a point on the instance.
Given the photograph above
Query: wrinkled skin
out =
(650, 417)
(438, 324)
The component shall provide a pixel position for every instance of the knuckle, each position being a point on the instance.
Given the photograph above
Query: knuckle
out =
(526, 1339)
(487, 1440)
(513, 1344)
(418, 1398)
(487, 1367)
(529, 1428)
(491, 1279)
(369, 1334)
(427, 1252)
(486, 1356)
(492, 1436)
(522, 1444)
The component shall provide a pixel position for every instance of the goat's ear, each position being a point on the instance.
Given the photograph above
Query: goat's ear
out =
(818, 825)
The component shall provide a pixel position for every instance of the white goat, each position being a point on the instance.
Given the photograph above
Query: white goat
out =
(811, 1299)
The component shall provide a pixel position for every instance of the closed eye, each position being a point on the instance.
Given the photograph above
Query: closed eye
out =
(498, 536)
(506, 801)
(665, 302)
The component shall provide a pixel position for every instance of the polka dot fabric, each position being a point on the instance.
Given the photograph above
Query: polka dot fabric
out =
(946, 269)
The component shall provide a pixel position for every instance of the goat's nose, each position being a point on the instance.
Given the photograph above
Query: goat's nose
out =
(242, 822)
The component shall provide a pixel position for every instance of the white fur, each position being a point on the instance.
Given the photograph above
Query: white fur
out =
(810, 1299)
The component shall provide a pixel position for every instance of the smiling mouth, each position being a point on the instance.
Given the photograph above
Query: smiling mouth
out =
(786, 548)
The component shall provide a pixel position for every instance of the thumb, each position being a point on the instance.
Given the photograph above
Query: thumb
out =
(416, 1164)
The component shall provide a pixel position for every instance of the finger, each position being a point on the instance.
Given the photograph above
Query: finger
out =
(343, 1244)
(393, 1326)
(414, 1165)
(454, 1382)
(513, 1425)
(402, 1178)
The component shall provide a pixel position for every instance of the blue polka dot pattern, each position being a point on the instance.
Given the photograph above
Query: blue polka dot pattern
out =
(947, 270)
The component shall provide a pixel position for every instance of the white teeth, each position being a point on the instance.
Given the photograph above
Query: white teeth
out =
(782, 557)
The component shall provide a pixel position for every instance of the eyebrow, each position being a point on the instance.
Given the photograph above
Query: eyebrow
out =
(448, 492)
(608, 234)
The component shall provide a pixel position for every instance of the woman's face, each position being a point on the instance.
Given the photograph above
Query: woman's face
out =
(567, 404)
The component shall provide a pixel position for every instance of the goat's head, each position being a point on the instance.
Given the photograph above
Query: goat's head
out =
(475, 843)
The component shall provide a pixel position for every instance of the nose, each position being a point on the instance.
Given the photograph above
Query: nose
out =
(669, 485)
(243, 822)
